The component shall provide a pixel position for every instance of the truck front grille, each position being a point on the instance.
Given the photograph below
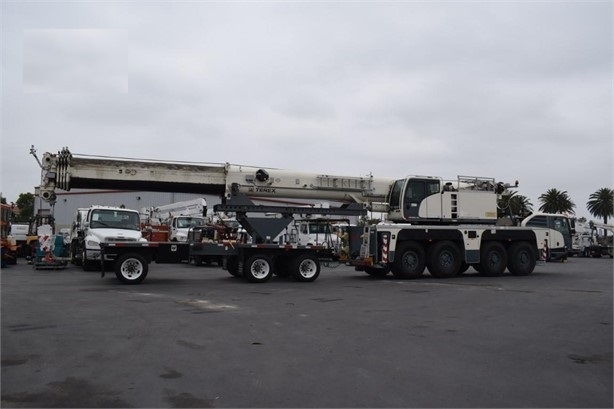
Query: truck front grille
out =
(114, 239)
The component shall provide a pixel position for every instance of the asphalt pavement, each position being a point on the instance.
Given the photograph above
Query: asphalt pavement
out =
(192, 336)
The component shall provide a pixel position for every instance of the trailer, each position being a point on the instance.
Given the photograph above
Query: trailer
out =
(256, 261)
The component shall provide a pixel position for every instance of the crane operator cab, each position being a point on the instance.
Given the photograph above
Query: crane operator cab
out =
(428, 199)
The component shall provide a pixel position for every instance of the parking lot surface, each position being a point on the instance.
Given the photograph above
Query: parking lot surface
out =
(193, 336)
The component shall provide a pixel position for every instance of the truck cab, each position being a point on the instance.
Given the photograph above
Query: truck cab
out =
(179, 226)
(559, 223)
(19, 232)
(103, 224)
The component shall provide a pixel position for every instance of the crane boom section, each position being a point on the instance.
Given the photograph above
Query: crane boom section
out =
(66, 171)
(289, 184)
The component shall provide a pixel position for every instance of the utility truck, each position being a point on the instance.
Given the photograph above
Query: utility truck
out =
(588, 242)
(445, 226)
(172, 222)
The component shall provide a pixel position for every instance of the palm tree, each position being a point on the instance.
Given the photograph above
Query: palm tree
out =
(601, 203)
(518, 204)
(555, 201)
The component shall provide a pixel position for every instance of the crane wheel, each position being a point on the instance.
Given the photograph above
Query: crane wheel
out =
(409, 260)
(444, 259)
(521, 258)
(493, 259)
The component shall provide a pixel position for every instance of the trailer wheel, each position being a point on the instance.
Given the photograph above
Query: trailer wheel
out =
(444, 259)
(258, 268)
(283, 267)
(232, 265)
(306, 268)
(521, 259)
(131, 268)
(409, 260)
(493, 259)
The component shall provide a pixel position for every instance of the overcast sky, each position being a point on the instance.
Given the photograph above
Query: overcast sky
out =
(511, 90)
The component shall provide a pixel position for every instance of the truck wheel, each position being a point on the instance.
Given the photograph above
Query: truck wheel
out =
(258, 268)
(74, 254)
(306, 268)
(493, 259)
(88, 265)
(444, 259)
(131, 268)
(521, 259)
(232, 265)
(409, 260)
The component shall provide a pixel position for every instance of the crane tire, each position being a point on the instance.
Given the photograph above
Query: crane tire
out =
(409, 260)
(444, 259)
(521, 258)
(493, 259)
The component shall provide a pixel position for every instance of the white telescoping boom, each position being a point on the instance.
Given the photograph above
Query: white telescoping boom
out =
(418, 198)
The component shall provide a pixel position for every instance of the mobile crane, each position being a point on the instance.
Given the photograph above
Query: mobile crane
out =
(174, 220)
(444, 226)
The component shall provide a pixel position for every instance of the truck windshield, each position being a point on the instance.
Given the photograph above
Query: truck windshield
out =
(319, 228)
(395, 194)
(114, 219)
(561, 224)
(186, 222)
